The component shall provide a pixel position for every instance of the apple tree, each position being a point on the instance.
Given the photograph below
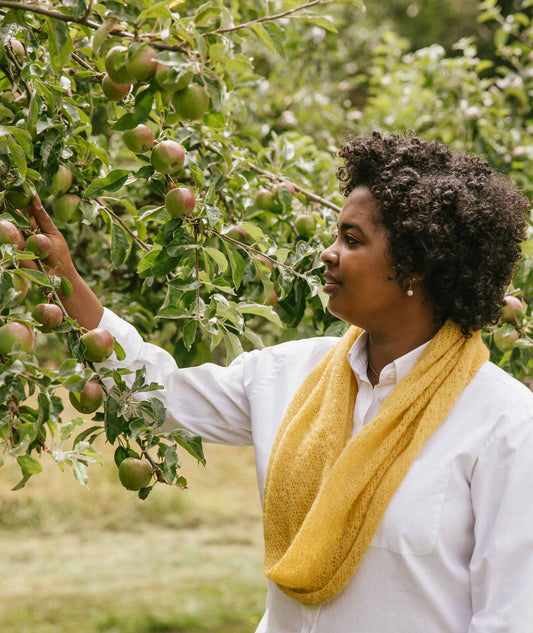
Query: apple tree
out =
(130, 121)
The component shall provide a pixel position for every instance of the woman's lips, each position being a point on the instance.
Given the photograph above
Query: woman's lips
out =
(331, 284)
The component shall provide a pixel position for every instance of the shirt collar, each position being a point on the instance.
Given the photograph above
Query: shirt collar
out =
(393, 372)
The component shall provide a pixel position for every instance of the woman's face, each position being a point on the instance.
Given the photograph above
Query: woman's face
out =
(359, 274)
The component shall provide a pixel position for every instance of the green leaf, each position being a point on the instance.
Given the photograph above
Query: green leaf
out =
(260, 310)
(18, 156)
(59, 44)
(66, 287)
(120, 245)
(321, 21)
(157, 10)
(236, 263)
(143, 107)
(115, 424)
(29, 465)
(191, 443)
(119, 350)
(101, 35)
(33, 275)
(113, 181)
(218, 257)
(263, 35)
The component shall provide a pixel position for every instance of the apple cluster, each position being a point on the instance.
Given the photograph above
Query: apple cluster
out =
(18, 335)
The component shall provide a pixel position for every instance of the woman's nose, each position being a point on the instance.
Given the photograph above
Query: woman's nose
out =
(329, 256)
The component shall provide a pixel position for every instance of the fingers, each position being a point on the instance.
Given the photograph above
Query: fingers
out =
(38, 212)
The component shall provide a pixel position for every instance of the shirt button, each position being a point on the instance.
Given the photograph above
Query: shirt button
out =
(381, 399)
(391, 374)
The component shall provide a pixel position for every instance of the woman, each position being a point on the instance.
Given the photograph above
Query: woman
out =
(394, 464)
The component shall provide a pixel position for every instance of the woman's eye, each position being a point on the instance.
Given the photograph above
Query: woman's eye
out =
(350, 239)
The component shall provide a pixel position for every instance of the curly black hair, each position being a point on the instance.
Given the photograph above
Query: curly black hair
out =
(449, 217)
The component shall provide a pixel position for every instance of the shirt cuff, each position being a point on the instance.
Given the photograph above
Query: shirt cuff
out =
(127, 336)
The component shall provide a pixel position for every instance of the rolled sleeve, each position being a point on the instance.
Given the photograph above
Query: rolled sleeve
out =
(208, 400)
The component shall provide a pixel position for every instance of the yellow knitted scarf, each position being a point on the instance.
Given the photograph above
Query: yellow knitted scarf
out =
(325, 492)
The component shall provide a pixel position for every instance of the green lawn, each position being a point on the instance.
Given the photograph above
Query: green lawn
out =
(101, 561)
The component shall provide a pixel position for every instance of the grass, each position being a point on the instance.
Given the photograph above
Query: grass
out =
(101, 561)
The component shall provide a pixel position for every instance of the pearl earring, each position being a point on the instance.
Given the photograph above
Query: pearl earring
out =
(410, 291)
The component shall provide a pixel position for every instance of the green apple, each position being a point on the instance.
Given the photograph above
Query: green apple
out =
(114, 91)
(172, 79)
(140, 64)
(61, 181)
(140, 139)
(305, 225)
(134, 473)
(39, 244)
(504, 338)
(510, 307)
(65, 207)
(115, 65)
(10, 234)
(20, 197)
(21, 286)
(99, 344)
(264, 199)
(192, 102)
(89, 399)
(49, 315)
(14, 333)
(180, 202)
(167, 157)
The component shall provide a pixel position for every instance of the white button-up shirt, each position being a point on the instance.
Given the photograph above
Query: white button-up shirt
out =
(454, 550)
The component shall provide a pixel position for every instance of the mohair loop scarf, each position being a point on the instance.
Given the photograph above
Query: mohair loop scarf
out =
(326, 492)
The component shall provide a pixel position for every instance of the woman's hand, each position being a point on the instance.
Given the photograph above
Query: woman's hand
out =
(59, 262)
(82, 304)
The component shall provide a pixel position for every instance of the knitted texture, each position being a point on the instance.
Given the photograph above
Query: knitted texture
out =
(326, 492)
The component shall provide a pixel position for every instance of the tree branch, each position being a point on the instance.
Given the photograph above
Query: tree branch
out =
(83, 20)
(269, 18)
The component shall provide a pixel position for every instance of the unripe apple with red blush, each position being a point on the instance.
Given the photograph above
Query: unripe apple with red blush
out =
(305, 225)
(238, 233)
(180, 202)
(10, 234)
(61, 181)
(167, 157)
(511, 304)
(65, 208)
(191, 102)
(264, 199)
(140, 64)
(14, 333)
(134, 473)
(89, 399)
(39, 244)
(115, 65)
(21, 285)
(140, 139)
(49, 315)
(285, 185)
(114, 91)
(504, 338)
(18, 49)
(20, 196)
(99, 344)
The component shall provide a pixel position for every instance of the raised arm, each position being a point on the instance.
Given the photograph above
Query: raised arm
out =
(82, 304)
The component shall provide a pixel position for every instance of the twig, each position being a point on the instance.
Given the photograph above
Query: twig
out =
(269, 18)
(308, 194)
